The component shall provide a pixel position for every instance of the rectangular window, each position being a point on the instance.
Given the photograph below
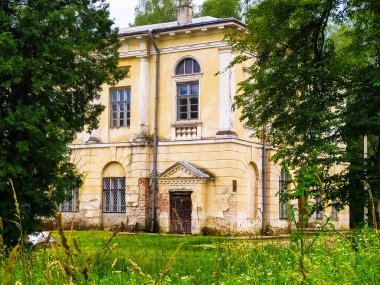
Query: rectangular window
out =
(334, 211)
(283, 203)
(319, 213)
(72, 203)
(114, 195)
(284, 211)
(187, 101)
(284, 207)
(120, 107)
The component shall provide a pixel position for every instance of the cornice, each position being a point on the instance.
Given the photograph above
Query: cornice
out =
(167, 143)
(174, 49)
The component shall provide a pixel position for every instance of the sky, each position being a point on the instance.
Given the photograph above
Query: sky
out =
(123, 11)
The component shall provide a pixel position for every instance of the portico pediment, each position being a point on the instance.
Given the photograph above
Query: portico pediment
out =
(183, 172)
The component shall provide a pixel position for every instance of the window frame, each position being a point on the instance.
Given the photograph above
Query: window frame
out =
(125, 104)
(283, 187)
(319, 214)
(334, 211)
(72, 204)
(194, 65)
(108, 205)
(187, 78)
(188, 97)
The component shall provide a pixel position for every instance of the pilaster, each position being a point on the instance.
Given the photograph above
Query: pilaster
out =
(226, 94)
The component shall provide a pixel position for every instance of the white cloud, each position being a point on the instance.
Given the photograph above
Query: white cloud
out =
(122, 12)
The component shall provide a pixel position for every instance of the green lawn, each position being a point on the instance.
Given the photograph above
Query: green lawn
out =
(96, 257)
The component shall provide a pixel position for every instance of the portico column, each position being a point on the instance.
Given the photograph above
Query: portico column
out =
(226, 94)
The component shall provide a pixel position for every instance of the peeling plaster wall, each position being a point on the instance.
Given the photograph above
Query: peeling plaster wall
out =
(232, 155)
(215, 204)
(135, 162)
(138, 207)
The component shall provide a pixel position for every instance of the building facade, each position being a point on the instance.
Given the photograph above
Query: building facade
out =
(170, 153)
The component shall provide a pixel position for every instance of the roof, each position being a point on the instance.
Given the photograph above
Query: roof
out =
(196, 22)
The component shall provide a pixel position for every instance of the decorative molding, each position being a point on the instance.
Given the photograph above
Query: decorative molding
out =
(181, 181)
(225, 49)
(134, 53)
(187, 77)
(181, 190)
(187, 123)
(171, 172)
(191, 47)
(213, 44)
(186, 130)
(169, 142)
(183, 173)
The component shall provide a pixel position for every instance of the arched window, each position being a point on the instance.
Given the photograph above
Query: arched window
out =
(187, 90)
(114, 188)
(188, 66)
(283, 186)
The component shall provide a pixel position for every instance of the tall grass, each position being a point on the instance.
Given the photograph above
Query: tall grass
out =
(111, 257)
(162, 259)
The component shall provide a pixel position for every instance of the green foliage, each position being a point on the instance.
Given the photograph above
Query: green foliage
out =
(306, 184)
(222, 8)
(54, 57)
(157, 11)
(160, 11)
(362, 59)
(314, 69)
(290, 86)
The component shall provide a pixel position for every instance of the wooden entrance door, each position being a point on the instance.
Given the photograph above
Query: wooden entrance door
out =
(180, 212)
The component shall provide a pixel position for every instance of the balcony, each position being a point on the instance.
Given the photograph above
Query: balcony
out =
(186, 130)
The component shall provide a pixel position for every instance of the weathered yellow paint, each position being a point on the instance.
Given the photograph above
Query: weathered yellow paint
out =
(225, 158)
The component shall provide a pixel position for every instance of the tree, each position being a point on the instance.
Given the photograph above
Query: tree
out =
(294, 86)
(313, 93)
(222, 8)
(54, 57)
(157, 11)
(361, 56)
(290, 88)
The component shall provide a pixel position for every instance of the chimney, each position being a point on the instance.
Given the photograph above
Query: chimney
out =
(184, 14)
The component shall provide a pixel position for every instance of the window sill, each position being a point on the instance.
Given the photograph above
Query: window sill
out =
(187, 123)
(123, 127)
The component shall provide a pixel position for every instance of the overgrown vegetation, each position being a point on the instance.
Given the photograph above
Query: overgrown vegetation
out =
(96, 257)
(313, 91)
(111, 257)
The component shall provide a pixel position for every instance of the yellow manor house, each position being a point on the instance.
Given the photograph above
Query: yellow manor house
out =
(170, 153)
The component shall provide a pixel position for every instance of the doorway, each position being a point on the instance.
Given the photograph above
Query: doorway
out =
(180, 212)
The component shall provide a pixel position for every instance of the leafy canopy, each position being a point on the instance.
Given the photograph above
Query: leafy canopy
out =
(157, 11)
(222, 8)
(293, 85)
(54, 57)
(161, 11)
(314, 84)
